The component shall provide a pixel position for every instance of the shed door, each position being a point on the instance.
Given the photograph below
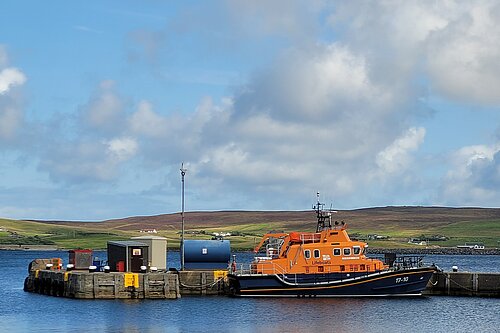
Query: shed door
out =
(136, 259)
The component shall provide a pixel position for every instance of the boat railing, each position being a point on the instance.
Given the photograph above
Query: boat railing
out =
(260, 268)
(405, 262)
(297, 279)
(266, 268)
(397, 262)
(310, 237)
(273, 250)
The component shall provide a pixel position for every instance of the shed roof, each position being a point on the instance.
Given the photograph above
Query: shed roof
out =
(127, 243)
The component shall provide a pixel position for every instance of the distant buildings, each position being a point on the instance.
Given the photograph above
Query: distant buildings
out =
(149, 231)
(375, 237)
(221, 234)
(425, 240)
(416, 241)
(475, 246)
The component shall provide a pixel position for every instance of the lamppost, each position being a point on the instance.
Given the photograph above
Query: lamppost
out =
(183, 173)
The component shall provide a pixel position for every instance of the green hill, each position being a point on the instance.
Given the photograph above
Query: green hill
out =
(387, 227)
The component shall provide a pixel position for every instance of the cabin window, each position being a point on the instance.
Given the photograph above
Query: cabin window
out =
(316, 253)
(347, 251)
(307, 254)
(321, 269)
(342, 268)
(336, 252)
(356, 250)
(362, 267)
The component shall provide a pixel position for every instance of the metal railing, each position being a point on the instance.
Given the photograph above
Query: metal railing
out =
(328, 276)
(405, 262)
(314, 238)
(401, 262)
(260, 268)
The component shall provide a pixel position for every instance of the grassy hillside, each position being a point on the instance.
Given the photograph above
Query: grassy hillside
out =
(28, 232)
(455, 225)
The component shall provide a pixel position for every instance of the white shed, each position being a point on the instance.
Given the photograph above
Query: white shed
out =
(157, 250)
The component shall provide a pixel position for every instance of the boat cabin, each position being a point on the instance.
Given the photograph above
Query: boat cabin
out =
(328, 250)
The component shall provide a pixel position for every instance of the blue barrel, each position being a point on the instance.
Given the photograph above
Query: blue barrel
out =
(206, 254)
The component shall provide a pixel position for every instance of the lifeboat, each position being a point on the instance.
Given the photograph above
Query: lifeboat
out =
(325, 263)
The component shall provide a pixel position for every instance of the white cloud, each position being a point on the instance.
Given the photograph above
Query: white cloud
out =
(10, 77)
(391, 34)
(396, 157)
(463, 56)
(315, 121)
(148, 123)
(97, 150)
(454, 44)
(294, 20)
(87, 161)
(474, 177)
(327, 81)
(105, 109)
(11, 112)
(122, 148)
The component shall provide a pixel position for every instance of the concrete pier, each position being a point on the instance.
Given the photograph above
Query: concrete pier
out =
(78, 284)
(464, 284)
(113, 285)
(203, 283)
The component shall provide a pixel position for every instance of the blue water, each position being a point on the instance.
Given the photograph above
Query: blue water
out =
(26, 312)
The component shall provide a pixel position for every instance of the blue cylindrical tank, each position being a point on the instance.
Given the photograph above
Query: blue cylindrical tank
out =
(206, 254)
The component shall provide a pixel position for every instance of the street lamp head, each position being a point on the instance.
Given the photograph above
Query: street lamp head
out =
(183, 171)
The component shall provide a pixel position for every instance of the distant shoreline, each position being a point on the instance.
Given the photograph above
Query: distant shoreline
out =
(437, 250)
(28, 247)
(434, 251)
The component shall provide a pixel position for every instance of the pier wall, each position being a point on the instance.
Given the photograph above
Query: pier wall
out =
(99, 285)
(464, 284)
(202, 283)
(85, 285)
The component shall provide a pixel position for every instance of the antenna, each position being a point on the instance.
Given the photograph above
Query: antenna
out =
(319, 214)
(322, 215)
(183, 173)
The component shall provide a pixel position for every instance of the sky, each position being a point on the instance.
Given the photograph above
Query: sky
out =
(370, 103)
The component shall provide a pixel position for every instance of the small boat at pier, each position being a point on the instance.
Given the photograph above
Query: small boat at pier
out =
(325, 263)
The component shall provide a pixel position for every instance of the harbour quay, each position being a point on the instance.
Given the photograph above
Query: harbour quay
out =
(464, 284)
(125, 285)
(135, 268)
(99, 285)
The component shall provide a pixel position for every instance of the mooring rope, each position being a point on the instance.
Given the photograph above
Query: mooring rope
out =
(458, 284)
(434, 283)
(202, 286)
